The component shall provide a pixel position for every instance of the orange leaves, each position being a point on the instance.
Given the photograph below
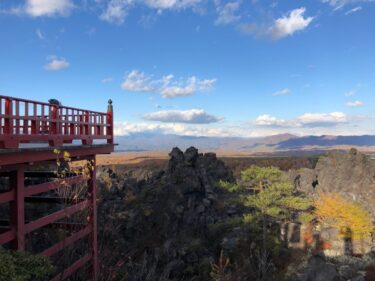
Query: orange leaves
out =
(348, 217)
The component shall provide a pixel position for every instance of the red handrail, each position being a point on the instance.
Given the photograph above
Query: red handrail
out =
(27, 121)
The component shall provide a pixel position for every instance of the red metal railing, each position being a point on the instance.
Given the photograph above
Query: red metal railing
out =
(27, 121)
(18, 229)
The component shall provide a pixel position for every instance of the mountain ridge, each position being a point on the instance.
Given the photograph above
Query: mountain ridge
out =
(274, 143)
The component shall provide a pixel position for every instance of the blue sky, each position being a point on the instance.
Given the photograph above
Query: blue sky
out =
(198, 67)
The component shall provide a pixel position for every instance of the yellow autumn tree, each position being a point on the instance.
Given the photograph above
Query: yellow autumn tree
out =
(334, 210)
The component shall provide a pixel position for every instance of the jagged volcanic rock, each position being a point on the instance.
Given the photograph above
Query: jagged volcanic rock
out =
(351, 174)
(161, 223)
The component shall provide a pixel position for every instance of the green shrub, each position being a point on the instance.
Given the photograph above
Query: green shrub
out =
(261, 177)
(21, 266)
(224, 226)
(306, 218)
(231, 187)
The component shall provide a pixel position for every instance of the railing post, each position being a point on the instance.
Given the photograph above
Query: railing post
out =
(55, 126)
(34, 122)
(26, 121)
(87, 130)
(110, 122)
(54, 119)
(8, 121)
(17, 208)
(10, 140)
(87, 117)
(98, 129)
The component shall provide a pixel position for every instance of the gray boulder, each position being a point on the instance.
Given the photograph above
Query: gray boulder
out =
(352, 174)
(319, 270)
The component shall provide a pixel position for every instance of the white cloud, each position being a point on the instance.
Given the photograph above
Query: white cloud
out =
(39, 34)
(330, 124)
(338, 4)
(227, 13)
(56, 64)
(268, 120)
(282, 92)
(136, 81)
(116, 11)
(305, 120)
(126, 128)
(193, 84)
(355, 103)
(290, 24)
(107, 80)
(354, 91)
(322, 119)
(354, 10)
(38, 8)
(192, 116)
(171, 4)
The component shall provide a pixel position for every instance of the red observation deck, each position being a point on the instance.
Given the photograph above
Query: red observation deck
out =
(47, 157)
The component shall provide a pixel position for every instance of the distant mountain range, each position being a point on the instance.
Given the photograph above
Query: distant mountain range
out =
(276, 143)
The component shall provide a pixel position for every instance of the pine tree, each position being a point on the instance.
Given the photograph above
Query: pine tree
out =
(275, 199)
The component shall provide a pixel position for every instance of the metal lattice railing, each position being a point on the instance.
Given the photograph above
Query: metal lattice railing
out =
(27, 121)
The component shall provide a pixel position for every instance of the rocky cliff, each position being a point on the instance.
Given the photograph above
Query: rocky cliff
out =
(159, 225)
(352, 174)
(172, 223)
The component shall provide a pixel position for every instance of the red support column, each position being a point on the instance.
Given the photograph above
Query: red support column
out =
(33, 122)
(10, 141)
(93, 221)
(110, 122)
(17, 207)
(87, 129)
(55, 127)
(81, 130)
(87, 120)
(8, 120)
(26, 121)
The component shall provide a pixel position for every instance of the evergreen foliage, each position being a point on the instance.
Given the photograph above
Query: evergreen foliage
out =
(275, 196)
(22, 266)
(231, 187)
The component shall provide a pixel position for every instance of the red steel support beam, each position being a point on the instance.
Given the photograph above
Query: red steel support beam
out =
(7, 236)
(26, 121)
(56, 216)
(73, 268)
(67, 241)
(17, 207)
(47, 186)
(93, 221)
(7, 196)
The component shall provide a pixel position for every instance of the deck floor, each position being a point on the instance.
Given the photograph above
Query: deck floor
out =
(15, 156)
